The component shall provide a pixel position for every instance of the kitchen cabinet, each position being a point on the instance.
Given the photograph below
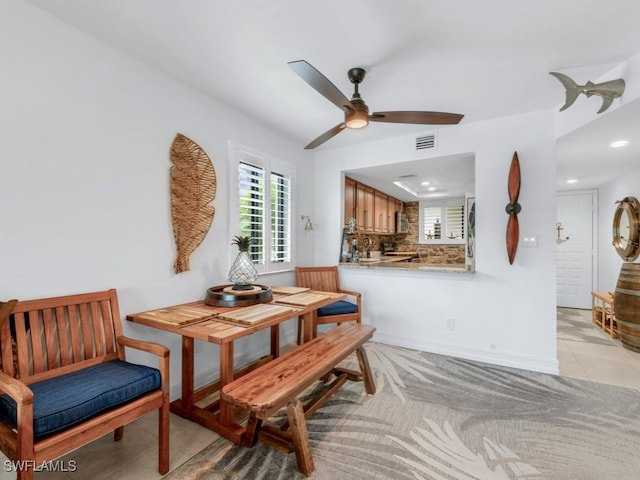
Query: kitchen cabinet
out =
(349, 200)
(374, 211)
(394, 206)
(365, 205)
(381, 222)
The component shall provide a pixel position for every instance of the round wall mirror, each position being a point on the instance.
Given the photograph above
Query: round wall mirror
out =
(626, 228)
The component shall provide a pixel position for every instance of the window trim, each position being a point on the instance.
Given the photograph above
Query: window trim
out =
(241, 153)
(442, 204)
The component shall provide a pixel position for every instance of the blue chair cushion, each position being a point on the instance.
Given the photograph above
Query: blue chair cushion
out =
(61, 402)
(340, 307)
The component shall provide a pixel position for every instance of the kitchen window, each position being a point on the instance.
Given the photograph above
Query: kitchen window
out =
(442, 222)
(261, 206)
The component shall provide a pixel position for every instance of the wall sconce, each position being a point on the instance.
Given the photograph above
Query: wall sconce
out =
(308, 226)
(560, 240)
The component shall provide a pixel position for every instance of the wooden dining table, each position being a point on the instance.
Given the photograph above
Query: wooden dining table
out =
(223, 326)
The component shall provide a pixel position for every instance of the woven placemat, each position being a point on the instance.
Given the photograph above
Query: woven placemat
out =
(288, 290)
(254, 314)
(303, 299)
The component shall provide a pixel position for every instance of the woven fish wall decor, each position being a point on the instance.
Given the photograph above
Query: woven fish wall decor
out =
(193, 188)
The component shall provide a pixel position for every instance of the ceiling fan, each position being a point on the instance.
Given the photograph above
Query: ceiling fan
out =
(356, 112)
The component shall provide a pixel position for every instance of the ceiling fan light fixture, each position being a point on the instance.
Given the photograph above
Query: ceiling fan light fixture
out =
(358, 117)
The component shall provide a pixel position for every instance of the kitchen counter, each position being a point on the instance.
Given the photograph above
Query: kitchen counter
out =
(380, 259)
(406, 266)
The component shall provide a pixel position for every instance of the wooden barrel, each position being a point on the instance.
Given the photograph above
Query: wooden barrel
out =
(626, 303)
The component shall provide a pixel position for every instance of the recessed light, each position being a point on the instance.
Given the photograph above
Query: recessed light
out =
(426, 183)
(620, 143)
(432, 189)
(572, 180)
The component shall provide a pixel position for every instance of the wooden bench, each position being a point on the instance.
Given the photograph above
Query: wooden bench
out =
(279, 383)
(51, 347)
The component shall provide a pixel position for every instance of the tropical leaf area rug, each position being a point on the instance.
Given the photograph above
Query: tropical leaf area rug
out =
(437, 417)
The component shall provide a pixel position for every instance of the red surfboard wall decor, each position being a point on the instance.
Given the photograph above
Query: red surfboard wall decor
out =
(513, 208)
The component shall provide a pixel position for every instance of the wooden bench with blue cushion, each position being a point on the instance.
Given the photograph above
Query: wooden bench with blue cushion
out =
(64, 379)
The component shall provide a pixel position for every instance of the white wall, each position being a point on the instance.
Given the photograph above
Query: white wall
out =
(85, 133)
(609, 262)
(504, 314)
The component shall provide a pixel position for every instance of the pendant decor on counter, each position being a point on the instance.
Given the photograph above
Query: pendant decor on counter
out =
(193, 188)
(513, 208)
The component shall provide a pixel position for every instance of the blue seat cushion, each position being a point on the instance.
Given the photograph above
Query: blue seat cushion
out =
(61, 402)
(340, 307)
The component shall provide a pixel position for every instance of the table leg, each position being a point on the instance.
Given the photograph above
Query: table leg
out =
(226, 376)
(275, 341)
(187, 372)
(309, 330)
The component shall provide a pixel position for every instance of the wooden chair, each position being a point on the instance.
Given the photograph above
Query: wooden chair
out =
(53, 346)
(5, 309)
(326, 279)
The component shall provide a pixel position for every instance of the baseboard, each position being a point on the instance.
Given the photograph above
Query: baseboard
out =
(505, 359)
(524, 362)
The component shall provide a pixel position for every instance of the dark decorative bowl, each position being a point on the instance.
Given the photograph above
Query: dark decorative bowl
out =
(226, 296)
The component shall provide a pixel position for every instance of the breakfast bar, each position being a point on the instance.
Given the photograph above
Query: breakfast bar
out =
(408, 266)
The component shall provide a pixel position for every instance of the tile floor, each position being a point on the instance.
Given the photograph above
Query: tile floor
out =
(610, 364)
(135, 457)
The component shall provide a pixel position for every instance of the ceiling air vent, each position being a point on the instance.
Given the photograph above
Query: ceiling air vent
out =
(426, 141)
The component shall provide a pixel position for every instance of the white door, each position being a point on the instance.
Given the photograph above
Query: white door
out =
(575, 256)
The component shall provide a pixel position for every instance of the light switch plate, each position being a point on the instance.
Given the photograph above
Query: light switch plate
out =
(529, 240)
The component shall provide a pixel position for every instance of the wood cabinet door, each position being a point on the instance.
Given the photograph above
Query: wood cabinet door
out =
(381, 222)
(364, 207)
(349, 200)
(392, 209)
(374, 211)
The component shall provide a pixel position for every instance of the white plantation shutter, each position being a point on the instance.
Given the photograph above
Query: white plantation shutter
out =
(454, 219)
(432, 224)
(251, 189)
(443, 221)
(280, 218)
(261, 208)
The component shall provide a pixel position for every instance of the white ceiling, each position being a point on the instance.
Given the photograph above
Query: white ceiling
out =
(483, 59)
(452, 176)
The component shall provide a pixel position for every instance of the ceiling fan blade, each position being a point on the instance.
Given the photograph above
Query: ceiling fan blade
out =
(513, 185)
(326, 136)
(513, 232)
(320, 83)
(427, 118)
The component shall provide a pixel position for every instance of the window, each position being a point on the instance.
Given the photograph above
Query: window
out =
(261, 207)
(454, 220)
(442, 222)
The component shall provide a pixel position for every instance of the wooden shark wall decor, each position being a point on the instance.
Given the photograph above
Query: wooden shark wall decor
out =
(607, 90)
